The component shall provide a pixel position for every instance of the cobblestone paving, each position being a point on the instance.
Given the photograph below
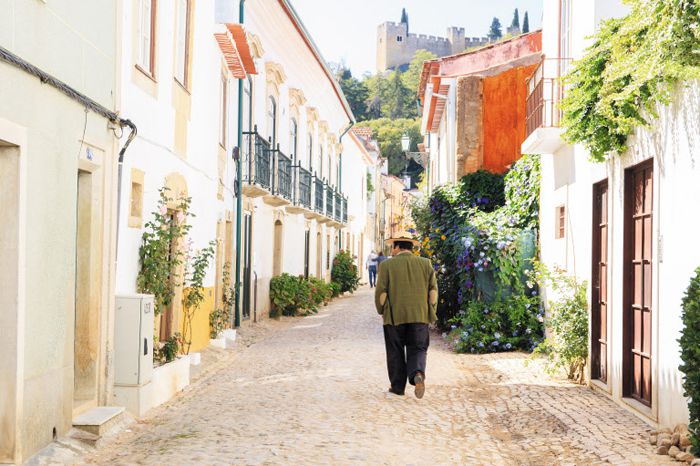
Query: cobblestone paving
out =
(313, 391)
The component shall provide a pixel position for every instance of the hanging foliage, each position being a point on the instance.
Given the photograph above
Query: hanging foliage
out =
(628, 71)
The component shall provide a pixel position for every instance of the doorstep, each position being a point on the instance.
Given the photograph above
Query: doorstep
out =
(99, 420)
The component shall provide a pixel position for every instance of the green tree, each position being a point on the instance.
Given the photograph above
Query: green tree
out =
(495, 31)
(399, 104)
(388, 133)
(355, 91)
(411, 78)
(526, 23)
(516, 19)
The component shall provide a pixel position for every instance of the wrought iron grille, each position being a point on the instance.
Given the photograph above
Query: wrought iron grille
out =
(329, 201)
(304, 196)
(318, 192)
(257, 159)
(338, 206)
(283, 184)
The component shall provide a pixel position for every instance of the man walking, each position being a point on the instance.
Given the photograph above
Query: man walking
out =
(372, 268)
(406, 297)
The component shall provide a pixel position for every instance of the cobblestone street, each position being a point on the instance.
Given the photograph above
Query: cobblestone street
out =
(313, 391)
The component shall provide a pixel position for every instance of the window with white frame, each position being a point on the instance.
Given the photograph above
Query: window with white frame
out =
(223, 97)
(311, 152)
(181, 43)
(293, 136)
(565, 35)
(146, 35)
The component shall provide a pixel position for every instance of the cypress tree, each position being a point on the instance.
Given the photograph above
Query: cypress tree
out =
(516, 19)
(526, 23)
(404, 19)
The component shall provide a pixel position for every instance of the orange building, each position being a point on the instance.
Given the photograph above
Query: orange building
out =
(474, 108)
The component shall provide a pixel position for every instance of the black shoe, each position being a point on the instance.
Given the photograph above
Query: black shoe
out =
(419, 381)
(395, 392)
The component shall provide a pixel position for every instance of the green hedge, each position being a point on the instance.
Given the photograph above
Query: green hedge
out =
(292, 295)
(690, 354)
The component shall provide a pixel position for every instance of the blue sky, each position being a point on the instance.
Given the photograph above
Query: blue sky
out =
(346, 30)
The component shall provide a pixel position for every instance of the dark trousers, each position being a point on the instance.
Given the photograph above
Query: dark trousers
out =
(406, 351)
(372, 275)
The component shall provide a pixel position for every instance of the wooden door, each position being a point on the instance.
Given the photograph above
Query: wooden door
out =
(247, 264)
(638, 282)
(599, 281)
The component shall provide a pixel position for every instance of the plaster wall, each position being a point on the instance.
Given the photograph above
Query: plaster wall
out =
(178, 139)
(78, 46)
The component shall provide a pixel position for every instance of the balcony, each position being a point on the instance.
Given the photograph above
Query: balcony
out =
(344, 219)
(281, 180)
(257, 158)
(543, 115)
(302, 184)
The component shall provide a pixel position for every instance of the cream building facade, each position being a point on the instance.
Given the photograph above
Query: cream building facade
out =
(618, 225)
(295, 124)
(58, 152)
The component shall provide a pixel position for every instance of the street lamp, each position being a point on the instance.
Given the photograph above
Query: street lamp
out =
(405, 142)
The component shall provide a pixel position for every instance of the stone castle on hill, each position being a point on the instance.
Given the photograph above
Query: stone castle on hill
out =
(396, 46)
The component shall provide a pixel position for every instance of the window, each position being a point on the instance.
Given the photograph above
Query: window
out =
(399, 39)
(272, 121)
(182, 53)
(293, 128)
(146, 35)
(222, 110)
(136, 201)
(320, 161)
(560, 222)
(311, 151)
(248, 104)
(564, 35)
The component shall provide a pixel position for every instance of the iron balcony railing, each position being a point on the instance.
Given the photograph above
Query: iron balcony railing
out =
(338, 206)
(257, 159)
(282, 176)
(345, 210)
(304, 181)
(329, 201)
(545, 92)
(318, 194)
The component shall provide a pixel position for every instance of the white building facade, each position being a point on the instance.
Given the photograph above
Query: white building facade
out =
(618, 225)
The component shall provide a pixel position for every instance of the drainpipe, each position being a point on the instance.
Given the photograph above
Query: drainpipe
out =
(340, 177)
(239, 182)
(131, 137)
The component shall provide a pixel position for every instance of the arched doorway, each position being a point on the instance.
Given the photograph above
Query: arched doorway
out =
(277, 251)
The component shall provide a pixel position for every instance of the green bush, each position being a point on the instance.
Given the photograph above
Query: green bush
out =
(344, 272)
(482, 190)
(567, 347)
(503, 325)
(690, 355)
(291, 295)
(321, 291)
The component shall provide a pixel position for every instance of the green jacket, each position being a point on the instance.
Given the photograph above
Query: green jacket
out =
(406, 290)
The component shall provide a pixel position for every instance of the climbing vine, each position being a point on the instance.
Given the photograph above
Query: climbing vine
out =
(628, 71)
(195, 273)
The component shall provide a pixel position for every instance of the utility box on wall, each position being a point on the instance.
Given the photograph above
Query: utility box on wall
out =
(133, 352)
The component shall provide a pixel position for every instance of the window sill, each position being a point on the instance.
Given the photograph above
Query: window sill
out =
(146, 73)
(182, 86)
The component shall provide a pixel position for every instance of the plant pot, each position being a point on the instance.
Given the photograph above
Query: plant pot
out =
(219, 342)
(195, 359)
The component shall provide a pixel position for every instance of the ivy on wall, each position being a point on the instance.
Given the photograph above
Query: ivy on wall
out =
(628, 71)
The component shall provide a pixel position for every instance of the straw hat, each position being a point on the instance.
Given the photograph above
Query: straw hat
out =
(402, 236)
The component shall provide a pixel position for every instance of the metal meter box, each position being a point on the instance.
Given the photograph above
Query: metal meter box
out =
(133, 340)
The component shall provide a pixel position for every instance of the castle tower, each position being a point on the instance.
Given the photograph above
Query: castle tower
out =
(455, 36)
(391, 44)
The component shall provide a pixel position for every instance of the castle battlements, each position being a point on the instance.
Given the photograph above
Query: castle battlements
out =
(396, 46)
